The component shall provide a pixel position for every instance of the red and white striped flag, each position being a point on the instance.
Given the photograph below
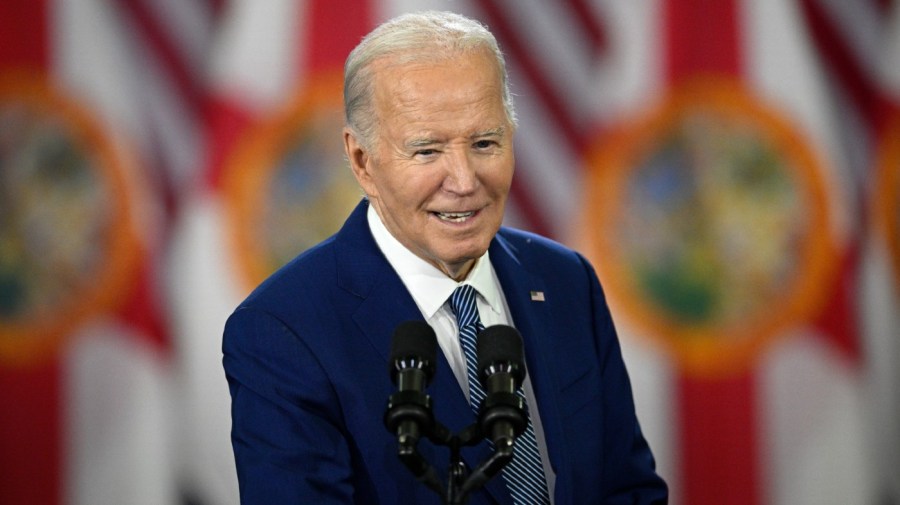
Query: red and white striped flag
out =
(84, 355)
(91, 113)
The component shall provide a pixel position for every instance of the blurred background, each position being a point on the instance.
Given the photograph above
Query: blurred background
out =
(730, 167)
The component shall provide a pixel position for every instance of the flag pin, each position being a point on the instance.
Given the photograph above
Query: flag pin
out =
(537, 296)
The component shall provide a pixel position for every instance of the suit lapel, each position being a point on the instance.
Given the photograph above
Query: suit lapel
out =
(384, 304)
(530, 307)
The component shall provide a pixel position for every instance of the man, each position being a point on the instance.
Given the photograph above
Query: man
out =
(429, 137)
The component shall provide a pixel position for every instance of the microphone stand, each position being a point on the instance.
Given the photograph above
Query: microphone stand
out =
(502, 416)
(406, 406)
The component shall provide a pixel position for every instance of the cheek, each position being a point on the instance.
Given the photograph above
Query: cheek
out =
(406, 192)
(418, 185)
(499, 181)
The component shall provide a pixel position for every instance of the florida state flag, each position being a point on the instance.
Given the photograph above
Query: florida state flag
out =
(84, 400)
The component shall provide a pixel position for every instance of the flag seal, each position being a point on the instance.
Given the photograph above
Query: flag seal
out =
(68, 245)
(286, 183)
(709, 223)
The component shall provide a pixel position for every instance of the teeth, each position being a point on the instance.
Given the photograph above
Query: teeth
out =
(456, 217)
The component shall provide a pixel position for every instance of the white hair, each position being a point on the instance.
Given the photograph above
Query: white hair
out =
(413, 37)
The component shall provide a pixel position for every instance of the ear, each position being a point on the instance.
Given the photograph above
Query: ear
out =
(360, 162)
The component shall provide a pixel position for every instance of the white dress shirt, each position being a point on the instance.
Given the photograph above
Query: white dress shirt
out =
(431, 290)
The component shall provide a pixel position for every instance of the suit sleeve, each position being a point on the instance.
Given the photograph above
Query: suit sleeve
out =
(629, 471)
(286, 427)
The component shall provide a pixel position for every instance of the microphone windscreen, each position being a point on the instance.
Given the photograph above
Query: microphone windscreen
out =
(414, 339)
(500, 344)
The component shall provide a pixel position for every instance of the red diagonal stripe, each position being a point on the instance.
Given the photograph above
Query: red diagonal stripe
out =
(23, 37)
(227, 121)
(216, 7)
(885, 6)
(839, 317)
(141, 308)
(584, 15)
(861, 87)
(334, 28)
(515, 50)
(180, 71)
(512, 44)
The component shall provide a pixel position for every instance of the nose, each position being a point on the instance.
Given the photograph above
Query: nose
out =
(462, 176)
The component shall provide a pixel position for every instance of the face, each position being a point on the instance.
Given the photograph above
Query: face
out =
(442, 164)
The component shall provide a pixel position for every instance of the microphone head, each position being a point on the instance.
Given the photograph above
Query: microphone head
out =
(501, 345)
(414, 345)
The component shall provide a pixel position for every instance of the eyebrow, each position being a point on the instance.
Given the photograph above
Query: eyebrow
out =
(421, 142)
(493, 132)
(418, 142)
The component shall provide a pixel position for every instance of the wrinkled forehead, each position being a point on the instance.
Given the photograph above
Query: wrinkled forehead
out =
(388, 65)
(395, 77)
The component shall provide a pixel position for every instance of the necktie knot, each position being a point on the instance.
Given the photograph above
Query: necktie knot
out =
(462, 303)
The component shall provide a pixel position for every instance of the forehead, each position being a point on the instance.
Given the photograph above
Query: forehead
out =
(463, 88)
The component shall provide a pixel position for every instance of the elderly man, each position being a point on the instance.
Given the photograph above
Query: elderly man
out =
(429, 137)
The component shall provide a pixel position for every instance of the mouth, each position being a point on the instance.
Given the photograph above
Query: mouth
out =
(454, 217)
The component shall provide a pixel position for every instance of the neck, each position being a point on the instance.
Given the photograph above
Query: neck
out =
(457, 272)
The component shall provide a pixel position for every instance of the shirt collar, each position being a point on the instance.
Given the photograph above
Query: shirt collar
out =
(429, 287)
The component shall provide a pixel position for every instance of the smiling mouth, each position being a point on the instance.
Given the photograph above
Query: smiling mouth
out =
(454, 217)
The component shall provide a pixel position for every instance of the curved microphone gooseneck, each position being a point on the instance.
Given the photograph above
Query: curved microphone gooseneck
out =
(502, 416)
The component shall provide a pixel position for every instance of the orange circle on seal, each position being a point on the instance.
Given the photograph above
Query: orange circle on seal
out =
(709, 224)
(287, 186)
(67, 244)
(887, 200)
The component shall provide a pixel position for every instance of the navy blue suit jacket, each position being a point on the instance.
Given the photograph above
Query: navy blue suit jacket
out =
(306, 357)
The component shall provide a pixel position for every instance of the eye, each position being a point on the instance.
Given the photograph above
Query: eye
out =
(425, 155)
(484, 144)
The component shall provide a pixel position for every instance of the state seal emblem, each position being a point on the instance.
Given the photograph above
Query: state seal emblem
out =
(709, 223)
(287, 185)
(68, 245)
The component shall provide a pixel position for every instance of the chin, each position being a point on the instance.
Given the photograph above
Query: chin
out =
(468, 254)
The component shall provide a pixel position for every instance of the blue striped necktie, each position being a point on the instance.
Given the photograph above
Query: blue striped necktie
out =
(524, 475)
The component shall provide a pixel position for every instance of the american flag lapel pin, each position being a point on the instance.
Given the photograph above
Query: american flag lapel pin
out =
(537, 296)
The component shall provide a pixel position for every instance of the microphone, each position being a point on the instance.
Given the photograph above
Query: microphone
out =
(502, 415)
(413, 355)
(501, 366)
(411, 366)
